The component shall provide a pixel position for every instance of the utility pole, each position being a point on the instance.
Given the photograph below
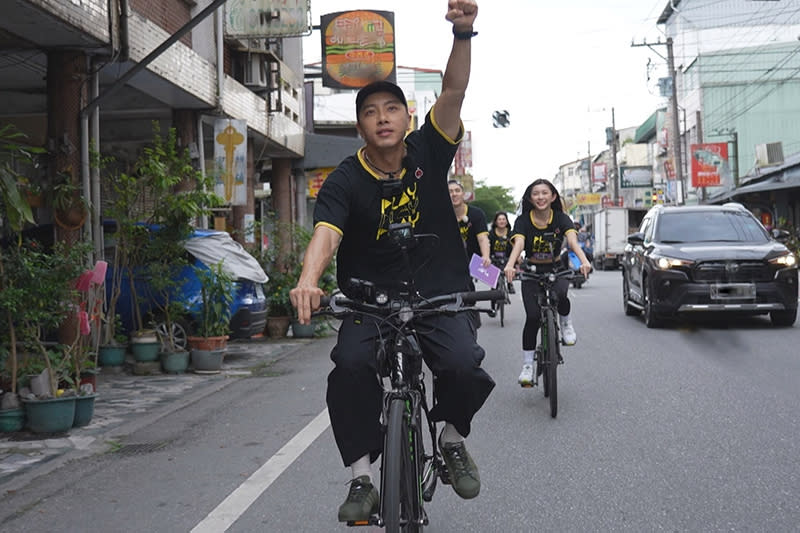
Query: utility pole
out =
(676, 134)
(675, 123)
(616, 179)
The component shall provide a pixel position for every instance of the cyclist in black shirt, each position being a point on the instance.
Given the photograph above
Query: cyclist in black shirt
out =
(395, 178)
(500, 243)
(540, 232)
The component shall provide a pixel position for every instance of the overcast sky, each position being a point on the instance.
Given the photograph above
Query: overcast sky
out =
(557, 67)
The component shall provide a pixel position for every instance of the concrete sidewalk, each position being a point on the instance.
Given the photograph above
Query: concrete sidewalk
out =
(126, 402)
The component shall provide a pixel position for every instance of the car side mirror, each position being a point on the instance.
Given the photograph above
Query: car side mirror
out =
(781, 235)
(636, 238)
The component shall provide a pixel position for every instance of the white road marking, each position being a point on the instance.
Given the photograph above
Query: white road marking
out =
(234, 506)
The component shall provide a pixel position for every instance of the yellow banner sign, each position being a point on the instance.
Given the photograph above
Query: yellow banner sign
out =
(589, 199)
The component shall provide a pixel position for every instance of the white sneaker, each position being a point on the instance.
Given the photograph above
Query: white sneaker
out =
(568, 335)
(526, 376)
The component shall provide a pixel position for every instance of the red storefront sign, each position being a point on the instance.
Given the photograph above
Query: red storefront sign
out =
(707, 162)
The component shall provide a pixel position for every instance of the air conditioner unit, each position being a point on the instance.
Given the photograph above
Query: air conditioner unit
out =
(769, 154)
(255, 71)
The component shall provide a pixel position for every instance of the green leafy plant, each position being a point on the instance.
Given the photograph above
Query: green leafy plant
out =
(216, 288)
(283, 263)
(180, 194)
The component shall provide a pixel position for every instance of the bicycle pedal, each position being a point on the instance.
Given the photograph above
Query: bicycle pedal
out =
(444, 475)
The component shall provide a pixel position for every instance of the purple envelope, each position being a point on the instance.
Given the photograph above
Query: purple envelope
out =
(488, 274)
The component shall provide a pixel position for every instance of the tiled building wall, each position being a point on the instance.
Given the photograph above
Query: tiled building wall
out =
(170, 15)
(90, 16)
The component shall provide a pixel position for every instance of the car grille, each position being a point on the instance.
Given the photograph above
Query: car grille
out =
(732, 271)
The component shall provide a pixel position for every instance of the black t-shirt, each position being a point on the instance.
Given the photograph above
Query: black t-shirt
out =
(538, 240)
(500, 247)
(352, 202)
(474, 225)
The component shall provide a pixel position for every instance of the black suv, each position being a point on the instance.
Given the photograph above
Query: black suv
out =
(708, 258)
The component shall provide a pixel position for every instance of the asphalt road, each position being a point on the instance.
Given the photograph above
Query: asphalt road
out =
(688, 428)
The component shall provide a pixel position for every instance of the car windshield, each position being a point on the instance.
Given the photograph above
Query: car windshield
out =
(709, 226)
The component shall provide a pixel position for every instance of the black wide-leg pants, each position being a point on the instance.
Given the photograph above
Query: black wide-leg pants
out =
(354, 394)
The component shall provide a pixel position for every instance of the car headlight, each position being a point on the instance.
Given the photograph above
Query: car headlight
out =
(788, 260)
(665, 262)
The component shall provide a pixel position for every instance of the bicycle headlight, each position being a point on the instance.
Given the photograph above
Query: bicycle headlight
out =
(665, 262)
(381, 298)
(788, 260)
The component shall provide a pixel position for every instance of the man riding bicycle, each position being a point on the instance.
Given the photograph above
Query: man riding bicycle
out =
(395, 179)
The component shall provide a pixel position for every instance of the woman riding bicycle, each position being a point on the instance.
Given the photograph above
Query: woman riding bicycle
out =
(500, 244)
(540, 231)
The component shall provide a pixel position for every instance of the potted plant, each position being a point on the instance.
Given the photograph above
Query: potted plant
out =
(50, 295)
(181, 194)
(70, 207)
(16, 213)
(216, 290)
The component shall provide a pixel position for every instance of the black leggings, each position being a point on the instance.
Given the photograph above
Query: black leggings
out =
(530, 297)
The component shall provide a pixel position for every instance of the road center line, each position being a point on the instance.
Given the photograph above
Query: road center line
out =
(238, 501)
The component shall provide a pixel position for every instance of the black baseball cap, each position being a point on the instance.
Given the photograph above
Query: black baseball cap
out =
(379, 87)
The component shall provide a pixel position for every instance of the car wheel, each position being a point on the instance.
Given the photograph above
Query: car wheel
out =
(180, 332)
(626, 297)
(651, 318)
(783, 318)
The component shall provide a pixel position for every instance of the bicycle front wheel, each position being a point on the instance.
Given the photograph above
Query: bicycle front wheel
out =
(551, 363)
(399, 472)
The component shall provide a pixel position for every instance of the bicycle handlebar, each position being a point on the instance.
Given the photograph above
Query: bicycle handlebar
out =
(453, 302)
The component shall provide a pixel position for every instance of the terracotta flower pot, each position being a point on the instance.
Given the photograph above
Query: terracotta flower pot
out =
(207, 343)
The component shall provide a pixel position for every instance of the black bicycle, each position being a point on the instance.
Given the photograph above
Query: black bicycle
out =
(502, 285)
(548, 353)
(409, 473)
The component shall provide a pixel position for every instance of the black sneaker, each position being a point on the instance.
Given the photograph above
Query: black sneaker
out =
(361, 503)
(462, 469)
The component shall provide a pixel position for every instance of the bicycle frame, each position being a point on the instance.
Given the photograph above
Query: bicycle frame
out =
(549, 355)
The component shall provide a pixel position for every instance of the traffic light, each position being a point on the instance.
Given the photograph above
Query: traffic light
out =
(501, 119)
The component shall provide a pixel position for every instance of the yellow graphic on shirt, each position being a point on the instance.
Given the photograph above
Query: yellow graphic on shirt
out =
(541, 249)
(399, 209)
(464, 227)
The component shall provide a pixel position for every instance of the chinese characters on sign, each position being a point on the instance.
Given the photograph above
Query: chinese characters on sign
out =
(357, 48)
(267, 18)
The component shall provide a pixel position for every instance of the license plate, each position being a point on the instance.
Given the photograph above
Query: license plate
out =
(728, 291)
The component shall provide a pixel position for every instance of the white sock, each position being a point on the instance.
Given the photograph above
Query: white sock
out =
(449, 434)
(527, 357)
(362, 467)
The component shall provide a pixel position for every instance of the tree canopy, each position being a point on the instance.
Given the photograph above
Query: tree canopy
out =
(493, 198)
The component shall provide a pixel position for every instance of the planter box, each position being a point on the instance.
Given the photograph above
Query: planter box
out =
(207, 361)
(84, 410)
(11, 420)
(174, 362)
(111, 355)
(55, 415)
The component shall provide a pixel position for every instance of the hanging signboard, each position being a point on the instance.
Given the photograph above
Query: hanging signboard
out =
(316, 177)
(599, 172)
(709, 161)
(632, 177)
(255, 19)
(357, 48)
(230, 157)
